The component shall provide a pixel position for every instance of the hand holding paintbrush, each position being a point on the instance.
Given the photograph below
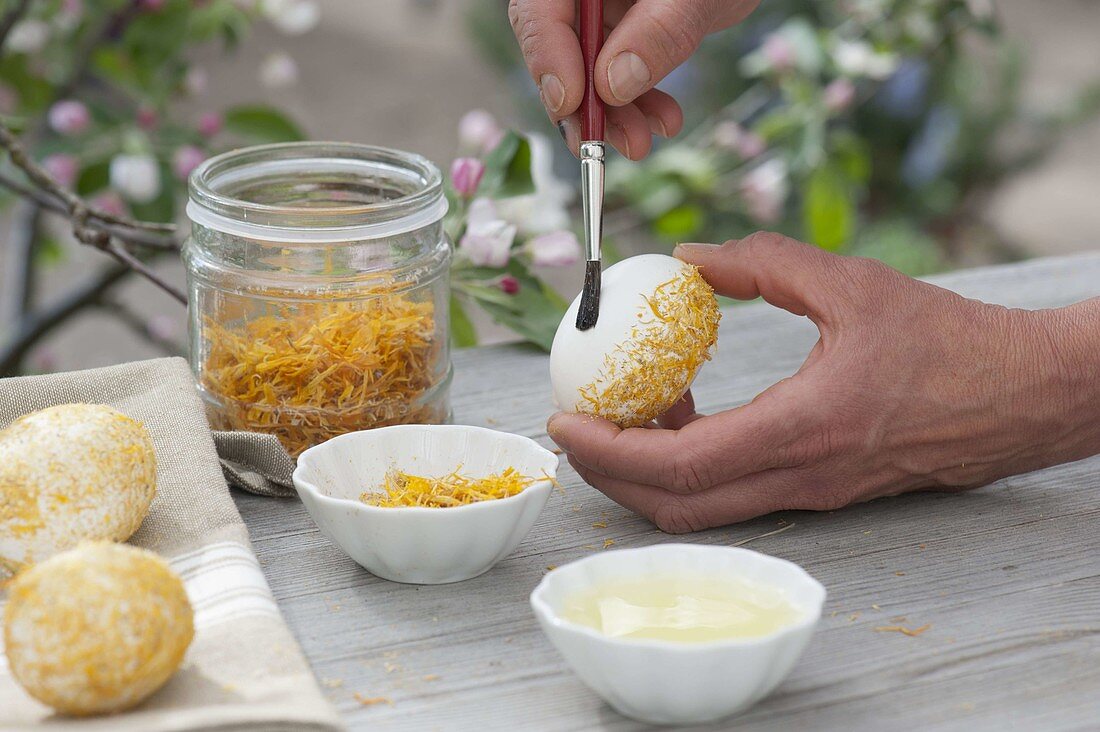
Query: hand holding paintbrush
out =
(592, 155)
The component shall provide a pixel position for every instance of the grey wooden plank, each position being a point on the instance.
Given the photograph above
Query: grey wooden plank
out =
(1009, 576)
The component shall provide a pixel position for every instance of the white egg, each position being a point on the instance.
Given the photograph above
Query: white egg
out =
(69, 473)
(658, 321)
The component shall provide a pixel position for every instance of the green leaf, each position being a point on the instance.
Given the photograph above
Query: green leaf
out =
(554, 297)
(488, 293)
(900, 244)
(681, 223)
(34, 92)
(155, 37)
(533, 314)
(508, 169)
(828, 211)
(93, 178)
(221, 19)
(261, 124)
(462, 329)
(852, 155)
(49, 252)
(163, 207)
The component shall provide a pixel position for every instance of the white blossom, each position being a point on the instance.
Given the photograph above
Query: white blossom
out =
(293, 17)
(488, 238)
(547, 209)
(28, 36)
(135, 177)
(278, 70)
(478, 131)
(764, 190)
(556, 249)
(858, 58)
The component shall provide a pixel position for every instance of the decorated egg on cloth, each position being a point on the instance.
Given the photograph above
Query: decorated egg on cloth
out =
(69, 473)
(96, 629)
(658, 322)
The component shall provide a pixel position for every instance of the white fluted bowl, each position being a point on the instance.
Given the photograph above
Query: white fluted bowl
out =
(417, 545)
(665, 682)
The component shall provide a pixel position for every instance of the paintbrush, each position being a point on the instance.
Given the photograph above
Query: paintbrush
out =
(592, 154)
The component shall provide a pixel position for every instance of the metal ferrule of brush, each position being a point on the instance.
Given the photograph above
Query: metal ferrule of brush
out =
(592, 154)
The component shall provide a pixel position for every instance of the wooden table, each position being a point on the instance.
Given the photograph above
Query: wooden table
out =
(1008, 577)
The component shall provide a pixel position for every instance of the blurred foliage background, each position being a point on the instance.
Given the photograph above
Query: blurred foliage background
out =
(873, 127)
(928, 133)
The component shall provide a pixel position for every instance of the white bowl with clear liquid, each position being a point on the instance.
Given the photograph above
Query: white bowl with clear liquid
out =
(670, 682)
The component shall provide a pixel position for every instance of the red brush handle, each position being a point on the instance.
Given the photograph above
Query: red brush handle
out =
(591, 27)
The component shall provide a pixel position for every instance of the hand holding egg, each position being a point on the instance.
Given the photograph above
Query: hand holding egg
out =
(658, 321)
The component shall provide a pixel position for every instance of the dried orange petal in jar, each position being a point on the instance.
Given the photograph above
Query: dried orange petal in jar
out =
(318, 276)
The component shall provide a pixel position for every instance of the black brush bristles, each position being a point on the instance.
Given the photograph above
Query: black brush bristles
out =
(589, 311)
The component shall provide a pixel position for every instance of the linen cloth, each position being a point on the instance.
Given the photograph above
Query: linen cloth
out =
(244, 670)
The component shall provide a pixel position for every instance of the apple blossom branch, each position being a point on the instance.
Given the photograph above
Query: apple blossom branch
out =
(109, 233)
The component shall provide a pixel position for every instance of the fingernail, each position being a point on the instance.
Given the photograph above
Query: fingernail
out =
(566, 129)
(552, 92)
(617, 137)
(628, 76)
(550, 430)
(657, 127)
(689, 251)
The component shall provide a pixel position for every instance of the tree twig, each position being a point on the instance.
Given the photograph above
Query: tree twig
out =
(34, 327)
(115, 248)
(39, 177)
(17, 283)
(85, 219)
(151, 239)
(134, 322)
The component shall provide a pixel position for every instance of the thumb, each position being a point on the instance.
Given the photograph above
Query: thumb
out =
(653, 38)
(786, 273)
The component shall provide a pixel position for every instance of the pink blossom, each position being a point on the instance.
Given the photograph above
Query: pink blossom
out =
(195, 81)
(147, 117)
(69, 117)
(44, 361)
(509, 284)
(839, 94)
(186, 159)
(751, 145)
(9, 99)
(556, 249)
(764, 190)
(779, 52)
(466, 175)
(745, 143)
(162, 327)
(278, 70)
(62, 168)
(478, 130)
(109, 202)
(210, 124)
(488, 238)
(72, 7)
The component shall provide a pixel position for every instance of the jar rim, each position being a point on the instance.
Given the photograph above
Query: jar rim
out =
(212, 206)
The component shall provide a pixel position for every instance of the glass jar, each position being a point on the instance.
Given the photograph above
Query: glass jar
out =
(318, 279)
